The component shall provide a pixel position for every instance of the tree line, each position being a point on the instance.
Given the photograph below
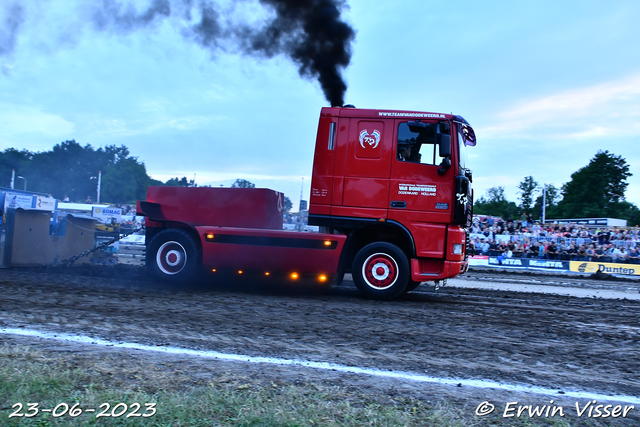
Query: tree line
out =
(596, 190)
(70, 170)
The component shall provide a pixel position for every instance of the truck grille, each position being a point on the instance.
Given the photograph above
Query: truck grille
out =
(467, 244)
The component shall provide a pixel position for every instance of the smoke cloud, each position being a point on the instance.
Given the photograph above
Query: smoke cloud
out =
(14, 17)
(311, 33)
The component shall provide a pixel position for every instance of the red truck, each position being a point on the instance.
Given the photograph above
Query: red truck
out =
(390, 192)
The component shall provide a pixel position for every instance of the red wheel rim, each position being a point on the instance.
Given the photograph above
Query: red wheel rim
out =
(380, 271)
(171, 258)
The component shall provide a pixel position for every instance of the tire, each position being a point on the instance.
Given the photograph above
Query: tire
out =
(173, 256)
(381, 271)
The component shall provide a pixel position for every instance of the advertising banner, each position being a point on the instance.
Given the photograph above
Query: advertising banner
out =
(605, 267)
(44, 203)
(105, 215)
(17, 200)
(529, 263)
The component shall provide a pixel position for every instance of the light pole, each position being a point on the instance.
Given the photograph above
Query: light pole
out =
(25, 182)
(544, 203)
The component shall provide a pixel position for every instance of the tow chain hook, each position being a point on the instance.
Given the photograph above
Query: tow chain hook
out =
(69, 261)
(439, 284)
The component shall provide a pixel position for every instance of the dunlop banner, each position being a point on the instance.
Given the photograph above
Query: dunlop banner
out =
(605, 267)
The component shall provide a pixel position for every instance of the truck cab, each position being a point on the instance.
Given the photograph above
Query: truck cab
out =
(397, 178)
(390, 191)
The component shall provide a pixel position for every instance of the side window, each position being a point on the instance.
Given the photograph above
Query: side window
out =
(417, 147)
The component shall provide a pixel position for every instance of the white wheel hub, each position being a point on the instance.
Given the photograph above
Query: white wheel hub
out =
(380, 271)
(173, 258)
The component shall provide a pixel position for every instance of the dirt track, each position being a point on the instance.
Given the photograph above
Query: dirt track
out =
(551, 341)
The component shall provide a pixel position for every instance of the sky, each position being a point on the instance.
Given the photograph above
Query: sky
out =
(545, 85)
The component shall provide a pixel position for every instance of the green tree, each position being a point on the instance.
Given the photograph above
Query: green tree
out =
(12, 159)
(175, 182)
(71, 170)
(125, 181)
(496, 204)
(68, 169)
(628, 211)
(597, 189)
(287, 204)
(528, 188)
(243, 183)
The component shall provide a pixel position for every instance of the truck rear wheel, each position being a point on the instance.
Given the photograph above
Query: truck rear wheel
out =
(172, 256)
(381, 271)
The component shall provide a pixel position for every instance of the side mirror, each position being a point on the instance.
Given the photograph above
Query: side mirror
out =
(444, 144)
(444, 166)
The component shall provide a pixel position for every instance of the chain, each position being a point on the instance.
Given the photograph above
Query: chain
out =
(69, 261)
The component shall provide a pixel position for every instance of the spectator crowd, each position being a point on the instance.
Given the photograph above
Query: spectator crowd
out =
(564, 242)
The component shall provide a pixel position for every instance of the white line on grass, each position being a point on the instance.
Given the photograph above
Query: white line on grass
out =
(320, 365)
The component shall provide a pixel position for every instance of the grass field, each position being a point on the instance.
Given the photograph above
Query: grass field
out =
(172, 398)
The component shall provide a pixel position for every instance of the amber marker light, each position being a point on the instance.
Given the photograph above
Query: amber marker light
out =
(209, 236)
(239, 271)
(214, 270)
(327, 242)
(266, 273)
(294, 276)
(322, 278)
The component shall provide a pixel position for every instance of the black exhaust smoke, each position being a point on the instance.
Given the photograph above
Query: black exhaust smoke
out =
(310, 32)
(313, 35)
(11, 21)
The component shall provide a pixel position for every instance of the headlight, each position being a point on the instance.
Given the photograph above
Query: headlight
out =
(457, 248)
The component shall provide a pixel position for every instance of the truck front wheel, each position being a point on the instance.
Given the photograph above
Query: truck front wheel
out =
(172, 256)
(381, 271)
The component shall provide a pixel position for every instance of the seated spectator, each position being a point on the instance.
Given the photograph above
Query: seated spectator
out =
(582, 253)
(617, 254)
(591, 253)
(623, 257)
(493, 248)
(485, 247)
(600, 254)
(552, 250)
(562, 251)
(542, 251)
(504, 254)
(608, 253)
(634, 256)
(533, 250)
(518, 251)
